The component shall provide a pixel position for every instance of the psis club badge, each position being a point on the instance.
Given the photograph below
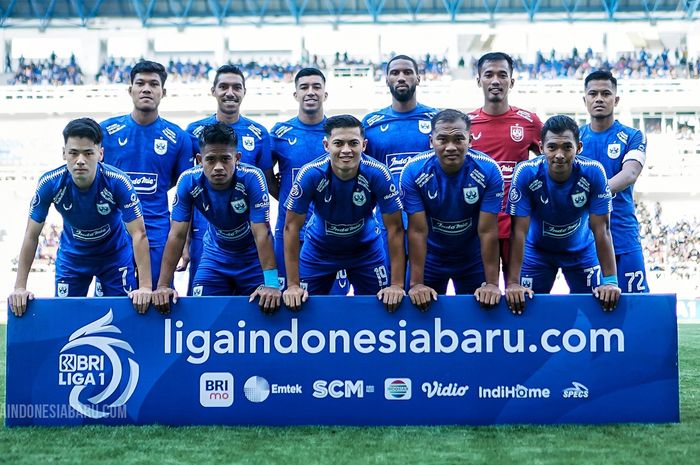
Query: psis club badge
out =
(91, 365)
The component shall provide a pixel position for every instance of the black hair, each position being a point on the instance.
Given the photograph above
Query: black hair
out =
(308, 72)
(449, 115)
(494, 56)
(402, 57)
(343, 121)
(145, 66)
(600, 75)
(559, 124)
(218, 133)
(228, 69)
(83, 127)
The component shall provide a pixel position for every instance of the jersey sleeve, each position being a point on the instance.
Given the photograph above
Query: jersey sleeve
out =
(410, 193)
(41, 202)
(182, 203)
(493, 195)
(259, 198)
(264, 159)
(601, 197)
(184, 154)
(301, 194)
(636, 148)
(127, 199)
(518, 198)
(388, 198)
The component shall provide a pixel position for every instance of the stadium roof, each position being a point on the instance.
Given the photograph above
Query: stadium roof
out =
(58, 13)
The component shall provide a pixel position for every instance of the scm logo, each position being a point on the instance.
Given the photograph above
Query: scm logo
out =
(338, 389)
(216, 389)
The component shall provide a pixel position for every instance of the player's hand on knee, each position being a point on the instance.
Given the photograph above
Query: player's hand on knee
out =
(488, 295)
(161, 298)
(608, 295)
(422, 296)
(294, 296)
(270, 298)
(515, 297)
(18, 300)
(141, 298)
(391, 297)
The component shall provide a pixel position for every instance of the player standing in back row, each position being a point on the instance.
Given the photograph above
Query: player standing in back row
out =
(504, 132)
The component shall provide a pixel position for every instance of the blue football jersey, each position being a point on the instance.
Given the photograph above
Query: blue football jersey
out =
(393, 137)
(253, 140)
(93, 219)
(228, 212)
(343, 221)
(153, 156)
(452, 203)
(612, 149)
(559, 211)
(294, 144)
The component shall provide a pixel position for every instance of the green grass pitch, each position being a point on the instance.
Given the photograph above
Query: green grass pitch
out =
(634, 444)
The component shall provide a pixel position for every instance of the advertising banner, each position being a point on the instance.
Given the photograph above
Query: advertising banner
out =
(343, 360)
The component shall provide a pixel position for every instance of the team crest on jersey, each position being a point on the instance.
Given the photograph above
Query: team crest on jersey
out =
(471, 195)
(514, 194)
(579, 199)
(424, 126)
(359, 198)
(62, 289)
(197, 291)
(517, 133)
(614, 150)
(248, 143)
(526, 282)
(103, 208)
(160, 146)
(239, 206)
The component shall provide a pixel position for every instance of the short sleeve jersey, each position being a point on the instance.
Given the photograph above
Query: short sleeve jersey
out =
(294, 144)
(93, 219)
(612, 148)
(452, 203)
(343, 221)
(559, 212)
(153, 156)
(508, 139)
(229, 212)
(394, 137)
(253, 140)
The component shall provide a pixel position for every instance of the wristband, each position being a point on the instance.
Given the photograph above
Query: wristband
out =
(612, 279)
(271, 278)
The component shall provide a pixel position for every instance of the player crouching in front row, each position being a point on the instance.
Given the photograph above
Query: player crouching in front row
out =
(569, 201)
(233, 197)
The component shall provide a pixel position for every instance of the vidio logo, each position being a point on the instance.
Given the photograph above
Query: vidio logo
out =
(90, 370)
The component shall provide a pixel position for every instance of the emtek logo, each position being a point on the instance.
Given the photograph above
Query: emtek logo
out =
(577, 391)
(258, 389)
(338, 389)
(397, 389)
(216, 389)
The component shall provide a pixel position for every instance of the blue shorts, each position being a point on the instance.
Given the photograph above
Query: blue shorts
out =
(196, 249)
(581, 270)
(631, 272)
(340, 285)
(367, 271)
(467, 275)
(239, 273)
(115, 275)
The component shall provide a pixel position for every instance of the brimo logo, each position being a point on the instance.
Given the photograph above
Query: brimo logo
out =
(79, 370)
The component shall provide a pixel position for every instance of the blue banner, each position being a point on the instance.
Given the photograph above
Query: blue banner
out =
(343, 361)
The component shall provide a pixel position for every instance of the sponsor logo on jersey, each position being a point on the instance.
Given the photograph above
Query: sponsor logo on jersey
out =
(478, 177)
(622, 136)
(344, 230)
(373, 119)
(248, 143)
(160, 146)
(579, 199)
(170, 134)
(58, 197)
(240, 187)
(584, 184)
(107, 195)
(471, 195)
(103, 208)
(524, 114)
(144, 183)
(396, 161)
(423, 179)
(233, 234)
(282, 130)
(514, 195)
(576, 391)
(534, 185)
(393, 192)
(92, 235)
(560, 231)
(507, 169)
(62, 289)
(359, 198)
(322, 185)
(264, 202)
(196, 191)
(451, 227)
(424, 127)
(116, 127)
(239, 206)
(517, 133)
(257, 132)
(198, 130)
(614, 150)
(121, 142)
(362, 181)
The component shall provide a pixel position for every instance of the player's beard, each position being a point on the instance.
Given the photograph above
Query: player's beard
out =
(403, 96)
